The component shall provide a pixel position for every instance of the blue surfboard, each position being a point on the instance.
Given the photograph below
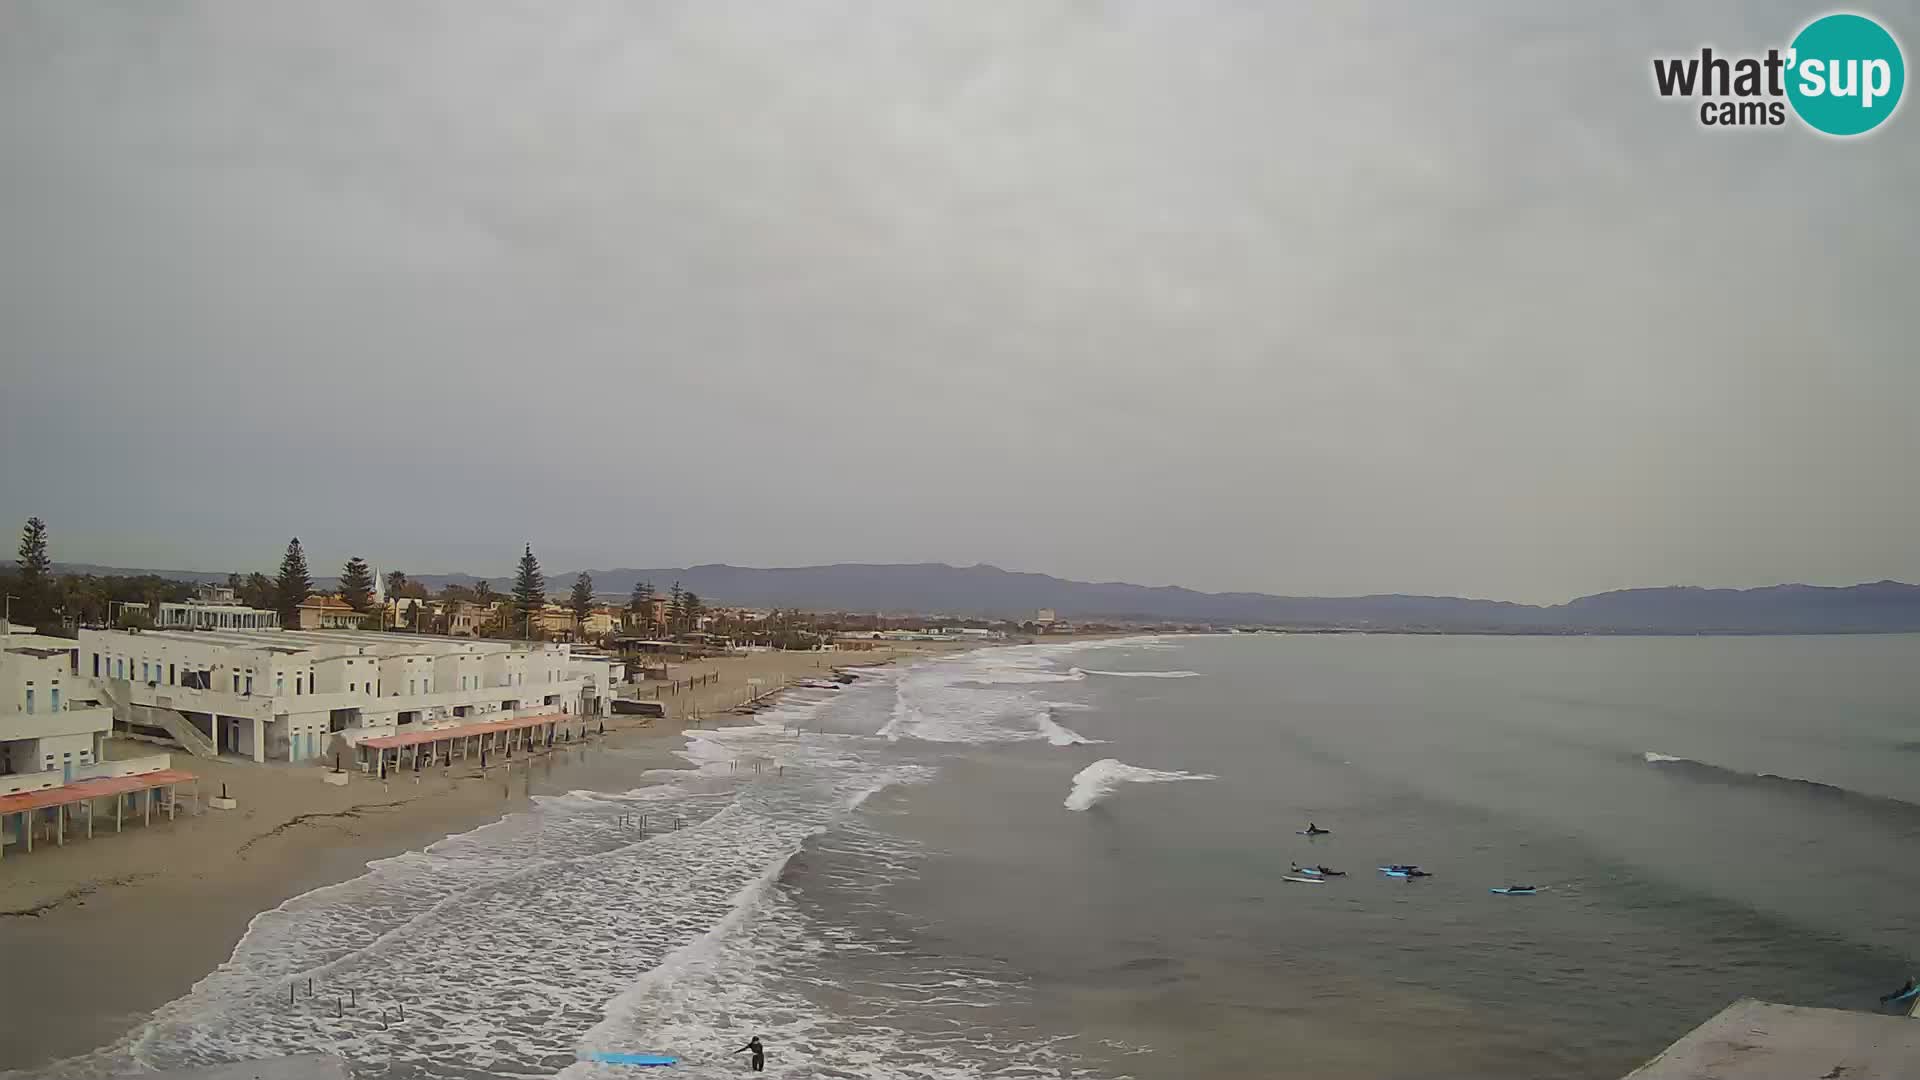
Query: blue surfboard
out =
(642, 1060)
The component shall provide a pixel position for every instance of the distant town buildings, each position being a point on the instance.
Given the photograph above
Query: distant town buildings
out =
(213, 607)
(327, 613)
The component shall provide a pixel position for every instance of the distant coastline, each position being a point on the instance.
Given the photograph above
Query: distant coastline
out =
(988, 592)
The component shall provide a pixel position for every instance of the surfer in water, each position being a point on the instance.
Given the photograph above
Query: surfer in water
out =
(1315, 830)
(759, 1053)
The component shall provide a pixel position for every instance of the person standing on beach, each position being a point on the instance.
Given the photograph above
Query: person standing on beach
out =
(759, 1053)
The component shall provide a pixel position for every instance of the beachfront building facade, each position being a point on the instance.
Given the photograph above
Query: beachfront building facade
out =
(293, 695)
(51, 723)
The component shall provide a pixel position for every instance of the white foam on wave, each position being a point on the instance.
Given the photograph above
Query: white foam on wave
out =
(1144, 674)
(1103, 777)
(1655, 759)
(1058, 734)
(759, 974)
(985, 696)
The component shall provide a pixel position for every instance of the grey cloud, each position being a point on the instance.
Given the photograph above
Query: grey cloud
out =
(1384, 297)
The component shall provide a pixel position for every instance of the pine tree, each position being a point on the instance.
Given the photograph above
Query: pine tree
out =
(640, 605)
(35, 583)
(691, 609)
(529, 590)
(582, 599)
(675, 597)
(294, 584)
(356, 585)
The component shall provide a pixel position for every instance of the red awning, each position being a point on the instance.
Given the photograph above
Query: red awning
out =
(97, 788)
(417, 738)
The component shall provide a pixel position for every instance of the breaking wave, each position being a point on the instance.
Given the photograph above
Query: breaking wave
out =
(1881, 806)
(1058, 734)
(1103, 777)
(1143, 674)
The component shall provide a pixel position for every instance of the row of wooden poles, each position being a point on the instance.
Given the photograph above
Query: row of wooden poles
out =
(660, 822)
(340, 1005)
(687, 685)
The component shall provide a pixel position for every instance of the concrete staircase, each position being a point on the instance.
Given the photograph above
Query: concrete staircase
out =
(171, 721)
(179, 727)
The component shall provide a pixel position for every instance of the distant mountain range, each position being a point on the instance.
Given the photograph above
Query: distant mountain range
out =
(988, 591)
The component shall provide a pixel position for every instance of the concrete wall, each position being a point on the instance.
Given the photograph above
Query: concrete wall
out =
(54, 754)
(406, 676)
(14, 783)
(149, 659)
(22, 670)
(126, 767)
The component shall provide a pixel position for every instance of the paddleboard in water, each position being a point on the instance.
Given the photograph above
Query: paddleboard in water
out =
(1309, 880)
(1904, 995)
(1526, 891)
(643, 1060)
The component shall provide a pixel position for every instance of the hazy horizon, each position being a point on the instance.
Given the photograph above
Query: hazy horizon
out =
(1378, 299)
(560, 578)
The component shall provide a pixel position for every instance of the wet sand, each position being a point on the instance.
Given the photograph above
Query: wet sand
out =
(101, 932)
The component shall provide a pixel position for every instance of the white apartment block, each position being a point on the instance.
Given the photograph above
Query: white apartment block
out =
(51, 725)
(283, 695)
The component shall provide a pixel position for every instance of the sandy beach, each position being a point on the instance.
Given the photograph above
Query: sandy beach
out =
(116, 926)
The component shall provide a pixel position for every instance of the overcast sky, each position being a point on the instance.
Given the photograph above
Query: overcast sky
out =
(1236, 296)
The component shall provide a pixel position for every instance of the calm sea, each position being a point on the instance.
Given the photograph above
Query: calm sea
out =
(1070, 860)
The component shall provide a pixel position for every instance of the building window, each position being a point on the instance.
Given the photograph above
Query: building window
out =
(249, 684)
(236, 682)
(279, 682)
(29, 701)
(96, 665)
(53, 698)
(170, 681)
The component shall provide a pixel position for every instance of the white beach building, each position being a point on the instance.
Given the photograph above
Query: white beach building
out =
(285, 695)
(50, 721)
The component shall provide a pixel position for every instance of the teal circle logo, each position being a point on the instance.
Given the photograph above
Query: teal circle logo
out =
(1846, 74)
